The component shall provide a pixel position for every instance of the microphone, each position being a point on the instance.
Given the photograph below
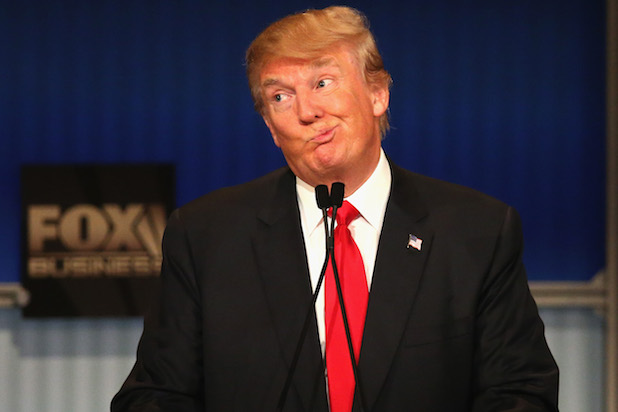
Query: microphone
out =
(336, 194)
(337, 190)
(322, 197)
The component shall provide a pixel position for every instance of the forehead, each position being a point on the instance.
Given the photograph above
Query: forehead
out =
(278, 69)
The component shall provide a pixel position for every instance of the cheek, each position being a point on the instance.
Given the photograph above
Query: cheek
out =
(287, 128)
(340, 106)
(350, 105)
(283, 133)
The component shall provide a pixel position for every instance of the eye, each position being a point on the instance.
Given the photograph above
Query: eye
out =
(280, 97)
(323, 83)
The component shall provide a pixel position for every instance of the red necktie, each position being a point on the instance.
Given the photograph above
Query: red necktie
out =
(351, 271)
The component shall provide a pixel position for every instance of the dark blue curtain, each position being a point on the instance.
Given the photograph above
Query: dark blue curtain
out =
(506, 97)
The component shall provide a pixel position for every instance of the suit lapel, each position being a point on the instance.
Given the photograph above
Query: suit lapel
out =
(282, 264)
(397, 273)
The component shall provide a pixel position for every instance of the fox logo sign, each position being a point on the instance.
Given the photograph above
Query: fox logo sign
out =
(91, 237)
(87, 240)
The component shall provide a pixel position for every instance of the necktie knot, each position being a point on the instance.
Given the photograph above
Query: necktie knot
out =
(346, 214)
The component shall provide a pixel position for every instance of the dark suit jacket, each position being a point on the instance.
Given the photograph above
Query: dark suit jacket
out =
(450, 328)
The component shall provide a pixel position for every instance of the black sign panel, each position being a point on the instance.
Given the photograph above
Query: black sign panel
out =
(92, 237)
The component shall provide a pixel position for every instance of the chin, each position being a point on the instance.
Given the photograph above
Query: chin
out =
(328, 158)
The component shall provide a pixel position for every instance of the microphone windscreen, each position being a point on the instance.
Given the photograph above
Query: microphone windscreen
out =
(336, 194)
(322, 197)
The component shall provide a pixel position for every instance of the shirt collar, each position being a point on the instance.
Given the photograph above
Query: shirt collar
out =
(370, 199)
(309, 213)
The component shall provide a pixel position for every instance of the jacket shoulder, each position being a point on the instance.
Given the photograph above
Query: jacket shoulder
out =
(438, 194)
(250, 195)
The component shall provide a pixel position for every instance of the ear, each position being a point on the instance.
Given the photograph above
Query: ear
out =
(272, 131)
(380, 99)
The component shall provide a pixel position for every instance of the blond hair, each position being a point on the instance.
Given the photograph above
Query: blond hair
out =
(308, 36)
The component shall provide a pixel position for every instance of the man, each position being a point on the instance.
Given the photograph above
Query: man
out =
(447, 322)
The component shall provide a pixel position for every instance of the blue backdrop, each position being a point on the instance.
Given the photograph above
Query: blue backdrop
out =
(506, 97)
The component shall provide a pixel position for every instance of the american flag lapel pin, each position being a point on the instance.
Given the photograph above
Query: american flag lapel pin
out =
(414, 242)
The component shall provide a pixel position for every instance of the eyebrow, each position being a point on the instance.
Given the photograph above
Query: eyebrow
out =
(270, 82)
(315, 64)
(324, 61)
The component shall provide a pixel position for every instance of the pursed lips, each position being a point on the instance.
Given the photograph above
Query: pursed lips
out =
(324, 135)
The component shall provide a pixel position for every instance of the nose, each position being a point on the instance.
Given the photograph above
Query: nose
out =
(307, 107)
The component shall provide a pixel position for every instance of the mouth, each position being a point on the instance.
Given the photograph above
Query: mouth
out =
(324, 135)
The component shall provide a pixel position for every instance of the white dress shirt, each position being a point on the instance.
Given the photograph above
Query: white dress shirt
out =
(370, 200)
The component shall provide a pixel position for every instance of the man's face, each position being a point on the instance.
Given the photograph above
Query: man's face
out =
(324, 117)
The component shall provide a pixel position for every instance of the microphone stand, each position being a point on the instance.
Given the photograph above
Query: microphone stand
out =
(324, 202)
